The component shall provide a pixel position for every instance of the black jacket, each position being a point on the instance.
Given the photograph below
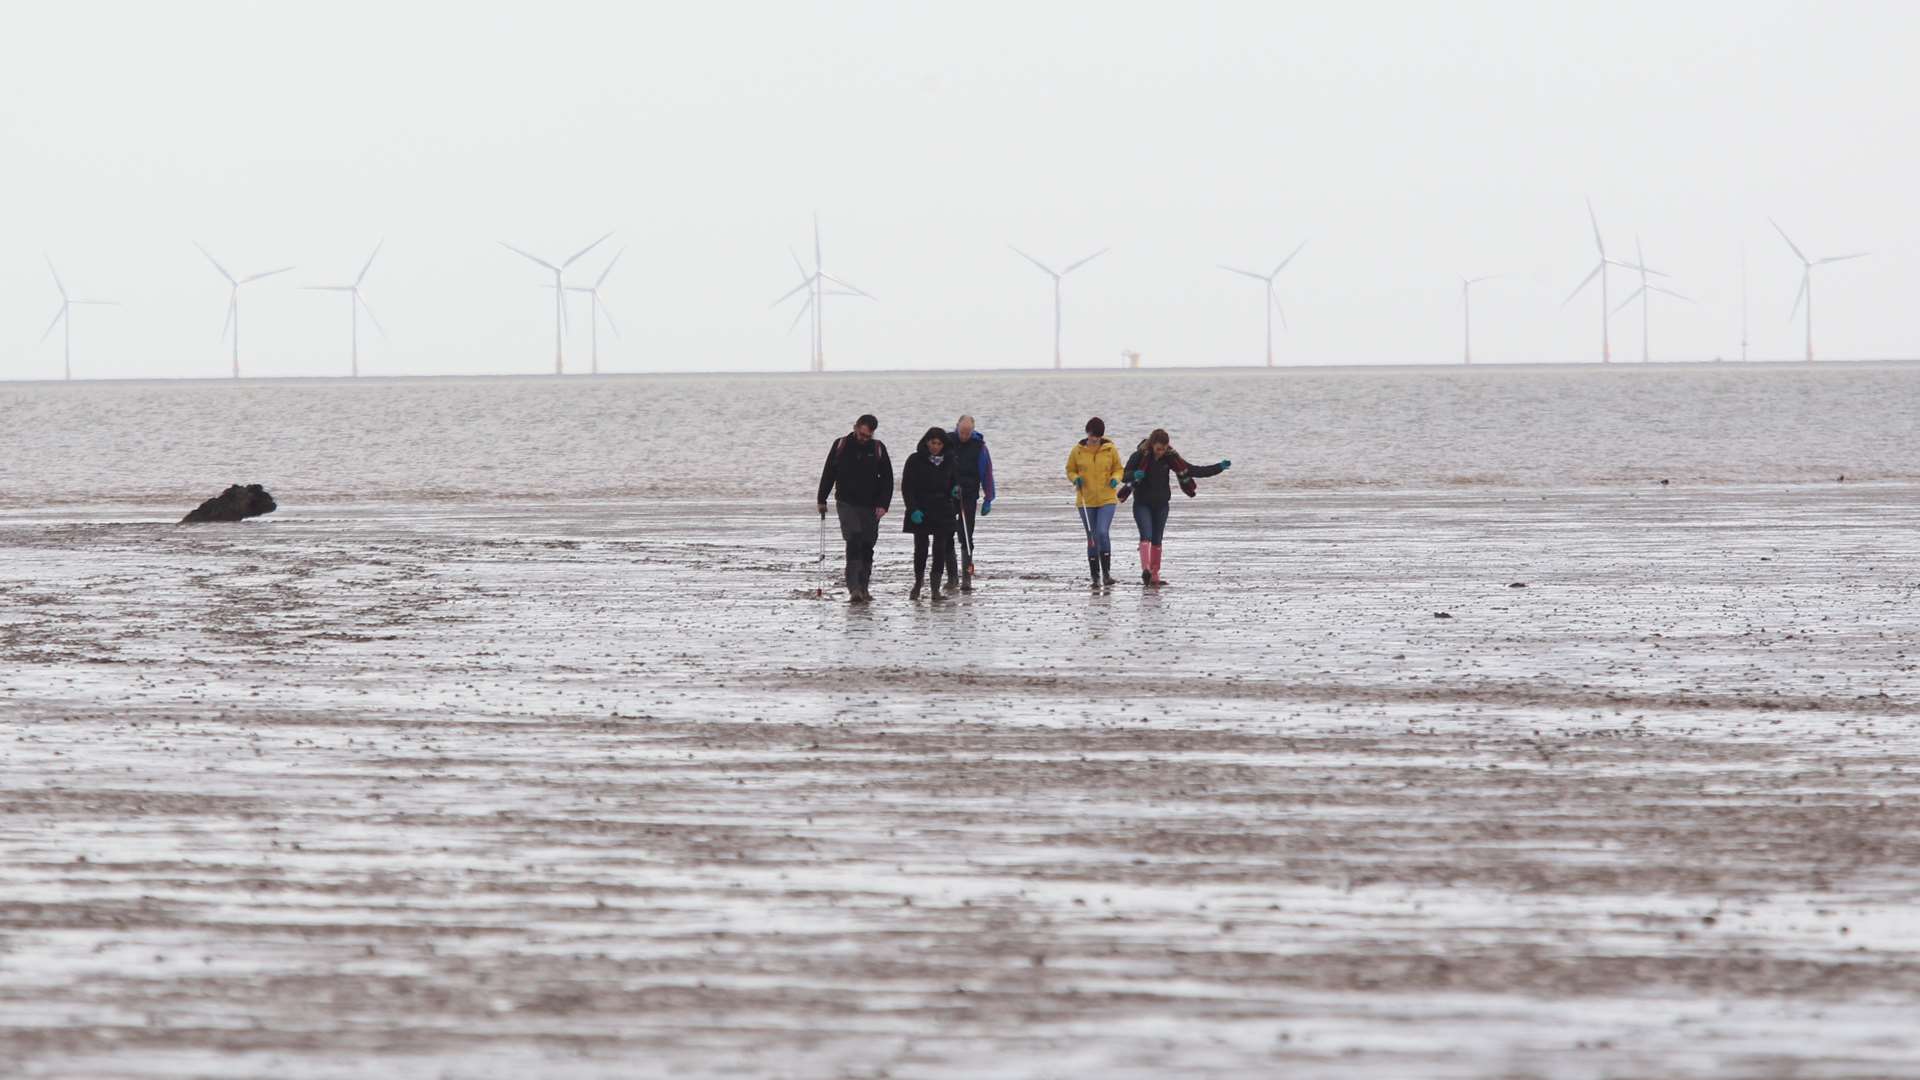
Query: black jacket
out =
(928, 488)
(863, 475)
(1157, 488)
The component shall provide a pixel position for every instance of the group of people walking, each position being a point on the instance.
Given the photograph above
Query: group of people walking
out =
(947, 483)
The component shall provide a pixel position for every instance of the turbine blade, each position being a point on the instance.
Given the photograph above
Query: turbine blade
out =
(576, 255)
(791, 293)
(57, 283)
(524, 255)
(327, 288)
(817, 263)
(1800, 295)
(1597, 242)
(1289, 258)
(1584, 282)
(264, 274)
(1622, 305)
(368, 308)
(597, 282)
(1075, 266)
(57, 316)
(216, 264)
(369, 264)
(233, 300)
(800, 266)
(804, 308)
(1783, 235)
(1243, 273)
(1282, 312)
(601, 306)
(1669, 292)
(857, 290)
(1842, 258)
(1034, 261)
(96, 303)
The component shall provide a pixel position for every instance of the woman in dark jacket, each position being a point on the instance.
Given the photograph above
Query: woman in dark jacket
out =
(1150, 475)
(931, 487)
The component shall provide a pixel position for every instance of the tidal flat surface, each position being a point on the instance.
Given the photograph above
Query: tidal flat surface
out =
(505, 787)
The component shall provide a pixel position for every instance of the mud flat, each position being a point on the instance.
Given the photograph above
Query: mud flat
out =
(584, 790)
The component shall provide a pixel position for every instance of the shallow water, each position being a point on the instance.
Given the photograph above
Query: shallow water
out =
(763, 437)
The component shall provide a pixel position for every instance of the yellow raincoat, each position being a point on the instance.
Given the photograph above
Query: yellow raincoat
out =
(1094, 466)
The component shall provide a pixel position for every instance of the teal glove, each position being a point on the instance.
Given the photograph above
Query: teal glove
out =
(916, 517)
(1113, 483)
(1076, 481)
(956, 491)
(1139, 475)
(1225, 465)
(986, 508)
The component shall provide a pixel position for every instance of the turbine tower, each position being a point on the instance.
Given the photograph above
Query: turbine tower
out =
(1058, 276)
(355, 303)
(597, 308)
(559, 295)
(1600, 271)
(63, 318)
(233, 301)
(1466, 311)
(815, 286)
(1643, 294)
(1273, 301)
(1806, 280)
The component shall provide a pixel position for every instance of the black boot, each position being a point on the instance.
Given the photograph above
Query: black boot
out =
(1106, 569)
(935, 594)
(1093, 569)
(919, 583)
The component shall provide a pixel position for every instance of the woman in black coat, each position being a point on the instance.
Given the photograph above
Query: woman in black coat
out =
(930, 485)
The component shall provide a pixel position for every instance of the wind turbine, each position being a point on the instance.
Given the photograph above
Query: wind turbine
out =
(1273, 301)
(1466, 310)
(1806, 280)
(1058, 276)
(355, 302)
(597, 307)
(1644, 294)
(1600, 271)
(559, 295)
(64, 318)
(815, 286)
(233, 301)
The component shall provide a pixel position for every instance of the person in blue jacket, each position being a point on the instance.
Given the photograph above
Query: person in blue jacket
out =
(974, 466)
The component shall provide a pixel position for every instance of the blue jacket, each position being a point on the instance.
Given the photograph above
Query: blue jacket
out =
(974, 465)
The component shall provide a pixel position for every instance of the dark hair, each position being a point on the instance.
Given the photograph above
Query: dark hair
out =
(1096, 426)
(868, 420)
(932, 434)
(1158, 436)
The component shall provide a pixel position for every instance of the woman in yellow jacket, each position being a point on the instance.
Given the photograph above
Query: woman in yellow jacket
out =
(1095, 469)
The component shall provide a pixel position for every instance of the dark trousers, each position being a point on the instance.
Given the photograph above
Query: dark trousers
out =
(941, 546)
(860, 528)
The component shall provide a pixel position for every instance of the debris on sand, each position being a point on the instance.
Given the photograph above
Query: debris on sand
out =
(1443, 614)
(1516, 585)
(237, 503)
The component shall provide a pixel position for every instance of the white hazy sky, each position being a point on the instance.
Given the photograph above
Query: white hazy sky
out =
(1410, 143)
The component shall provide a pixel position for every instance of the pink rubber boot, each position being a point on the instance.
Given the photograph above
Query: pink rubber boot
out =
(1146, 563)
(1156, 565)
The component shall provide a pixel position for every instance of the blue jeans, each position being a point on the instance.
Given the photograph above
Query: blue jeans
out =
(1151, 520)
(1098, 520)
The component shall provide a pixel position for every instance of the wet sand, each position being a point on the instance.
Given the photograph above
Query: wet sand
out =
(583, 790)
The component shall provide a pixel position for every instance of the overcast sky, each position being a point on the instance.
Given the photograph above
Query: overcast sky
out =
(1407, 143)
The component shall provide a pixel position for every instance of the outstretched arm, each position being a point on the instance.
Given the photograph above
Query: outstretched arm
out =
(986, 472)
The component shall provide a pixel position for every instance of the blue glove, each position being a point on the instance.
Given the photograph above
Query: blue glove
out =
(916, 517)
(1076, 481)
(1139, 475)
(1113, 483)
(986, 508)
(1225, 465)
